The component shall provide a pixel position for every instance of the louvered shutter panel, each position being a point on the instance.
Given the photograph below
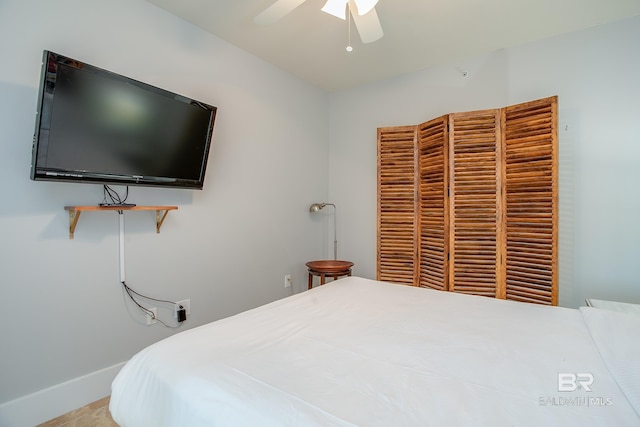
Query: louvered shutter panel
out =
(433, 181)
(530, 146)
(397, 203)
(475, 204)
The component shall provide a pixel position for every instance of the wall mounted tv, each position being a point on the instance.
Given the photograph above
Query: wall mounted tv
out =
(95, 126)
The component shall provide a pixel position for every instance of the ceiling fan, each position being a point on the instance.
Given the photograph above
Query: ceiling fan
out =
(363, 13)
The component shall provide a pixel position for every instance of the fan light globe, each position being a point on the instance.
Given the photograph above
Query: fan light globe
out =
(362, 12)
(365, 6)
(338, 8)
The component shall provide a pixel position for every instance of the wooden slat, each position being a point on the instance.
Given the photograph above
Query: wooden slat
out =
(531, 214)
(397, 204)
(433, 216)
(474, 202)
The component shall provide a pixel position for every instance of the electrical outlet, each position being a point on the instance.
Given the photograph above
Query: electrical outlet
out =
(152, 320)
(186, 303)
(287, 281)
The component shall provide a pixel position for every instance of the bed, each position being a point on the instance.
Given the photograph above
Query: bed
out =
(359, 352)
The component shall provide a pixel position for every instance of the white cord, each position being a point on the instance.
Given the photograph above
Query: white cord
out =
(121, 242)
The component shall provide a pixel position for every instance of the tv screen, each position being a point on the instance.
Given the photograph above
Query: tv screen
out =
(95, 126)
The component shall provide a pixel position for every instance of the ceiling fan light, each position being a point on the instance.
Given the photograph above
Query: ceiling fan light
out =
(365, 6)
(337, 8)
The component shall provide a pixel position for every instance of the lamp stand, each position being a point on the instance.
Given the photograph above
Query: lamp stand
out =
(335, 233)
(319, 206)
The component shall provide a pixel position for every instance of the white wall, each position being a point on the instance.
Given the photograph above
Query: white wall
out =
(596, 75)
(227, 248)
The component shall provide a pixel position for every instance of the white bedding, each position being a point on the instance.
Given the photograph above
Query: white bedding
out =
(357, 352)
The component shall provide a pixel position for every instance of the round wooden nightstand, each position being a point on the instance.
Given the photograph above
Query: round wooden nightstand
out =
(331, 268)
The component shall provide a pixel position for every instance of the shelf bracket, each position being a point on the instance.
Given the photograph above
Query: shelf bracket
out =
(74, 216)
(160, 216)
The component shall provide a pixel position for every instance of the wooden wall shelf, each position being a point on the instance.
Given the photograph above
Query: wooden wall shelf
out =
(75, 211)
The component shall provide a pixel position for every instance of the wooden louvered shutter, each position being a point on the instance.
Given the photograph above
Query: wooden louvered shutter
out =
(475, 203)
(397, 204)
(433, 218)
(530, 153)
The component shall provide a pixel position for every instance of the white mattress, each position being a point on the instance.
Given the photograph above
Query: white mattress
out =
(357, 352)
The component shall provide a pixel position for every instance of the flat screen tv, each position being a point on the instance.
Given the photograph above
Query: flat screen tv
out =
(95, 126)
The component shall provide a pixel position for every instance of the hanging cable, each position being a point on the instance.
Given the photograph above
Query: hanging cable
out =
(113, 197)
(130, 292)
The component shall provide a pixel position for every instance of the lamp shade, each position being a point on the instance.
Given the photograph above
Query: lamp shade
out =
(316, 207)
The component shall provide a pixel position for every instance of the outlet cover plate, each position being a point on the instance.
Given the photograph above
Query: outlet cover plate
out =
(186, 303)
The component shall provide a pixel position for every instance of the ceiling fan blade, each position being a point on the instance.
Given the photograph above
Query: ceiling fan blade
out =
(368, 26)
(276, 11)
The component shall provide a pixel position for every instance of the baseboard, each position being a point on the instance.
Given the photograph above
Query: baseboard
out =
(52, 402)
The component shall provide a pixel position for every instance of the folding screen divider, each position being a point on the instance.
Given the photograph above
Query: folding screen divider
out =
(467, 202)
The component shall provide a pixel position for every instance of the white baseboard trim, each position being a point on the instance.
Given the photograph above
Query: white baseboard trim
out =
(44, 405)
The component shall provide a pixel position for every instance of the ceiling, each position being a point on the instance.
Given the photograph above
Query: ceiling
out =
(418, 34)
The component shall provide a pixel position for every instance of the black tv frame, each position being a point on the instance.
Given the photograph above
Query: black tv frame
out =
(50, 63)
